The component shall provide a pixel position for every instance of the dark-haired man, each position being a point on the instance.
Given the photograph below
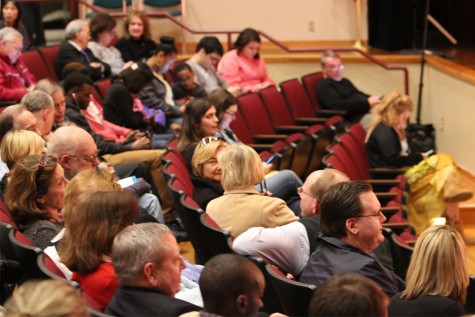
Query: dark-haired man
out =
(351, 223)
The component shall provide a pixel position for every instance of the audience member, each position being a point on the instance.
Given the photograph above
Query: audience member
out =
(15, 78)
(204, 62)
(74, 49)
(206, 175)
(41, 105)
(34, 197)
(435, 185)
(158, 97)
(72, 144)
(185, 87)
(92, 223)
(103, 36)
(55, 91)
(245, 207)
(17, 117)
(147, 261)
(290, 246)
(226, 109)
(51, 298)
(243, 66)
(171, 58)
(16, 145)
(338, 93)
(136, 43)
(437, 277)
(11, 17)
(349, 294)
(231, 285)
(351, 224)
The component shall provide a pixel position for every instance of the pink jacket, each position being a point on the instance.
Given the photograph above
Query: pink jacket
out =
(14, 79)
(99, 125)
(237, 70)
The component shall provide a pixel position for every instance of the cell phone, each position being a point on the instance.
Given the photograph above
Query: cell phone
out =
(427, 153)
(128, 181)
(270, 159)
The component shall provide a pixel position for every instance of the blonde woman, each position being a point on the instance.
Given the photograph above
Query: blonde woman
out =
(437, 278)
(46, 298)
(242, 206)
(386, 141)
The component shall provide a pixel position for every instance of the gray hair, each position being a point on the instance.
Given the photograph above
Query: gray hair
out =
(73, 27)
(65, 140)
(328, 54)
(48, 86)
(8, 33)
(134, 247)
(37, 100)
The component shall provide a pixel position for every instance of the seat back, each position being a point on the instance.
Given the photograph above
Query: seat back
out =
(302, 146)
(49, 268)
(241, 129)
(319, 148)
(255, 114)
(49, 55)
(293, 296)
(27, 256)
(173, 7)
(297, 99)
(309, 83)
(360, 158)
(270, 298)
(276, 107)
(340, 153)
(103, 86)
(190, 218)
(219, 241)
(10, 268)
(36, 64)
(402, 254)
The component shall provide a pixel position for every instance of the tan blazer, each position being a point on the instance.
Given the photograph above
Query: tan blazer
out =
(238, 210)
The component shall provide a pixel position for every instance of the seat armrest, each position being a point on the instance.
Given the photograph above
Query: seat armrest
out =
(327, 113)
(310, 121)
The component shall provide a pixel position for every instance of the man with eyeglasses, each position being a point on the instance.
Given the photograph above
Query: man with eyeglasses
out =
(338, 93)
(351, 223)
(15, 78)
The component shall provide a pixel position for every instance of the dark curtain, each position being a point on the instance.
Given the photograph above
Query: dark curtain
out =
(390, 24)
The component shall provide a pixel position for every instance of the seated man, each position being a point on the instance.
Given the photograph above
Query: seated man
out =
(290, 246)
(231, 285)
(338, 93)
(185, 87)
(74, 49)
(15, 78)
(148, 279)
(351, 223)
(41, 105)
(357, 296)
(204, 62)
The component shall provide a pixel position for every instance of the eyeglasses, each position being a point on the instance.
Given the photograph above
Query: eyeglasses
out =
(232, 114)
(301, 191)
(208, 140)
(378, 214)
(91, 158)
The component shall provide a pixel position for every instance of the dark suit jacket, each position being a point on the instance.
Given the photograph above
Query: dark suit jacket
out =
(68, 53)
(131, 301)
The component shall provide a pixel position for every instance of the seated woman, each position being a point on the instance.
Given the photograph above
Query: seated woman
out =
(122, 108)
(102, 28)
(11, 16)
(15, 146)
(243, 65)
(242, 206)
(206, 176)
(137, 43)
(437, 277)
(34, 197)
(92, 222)
(434, 183)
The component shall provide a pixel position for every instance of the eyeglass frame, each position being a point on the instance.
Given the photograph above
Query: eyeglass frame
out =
(379, 214)
(301, 191)
(90, 158)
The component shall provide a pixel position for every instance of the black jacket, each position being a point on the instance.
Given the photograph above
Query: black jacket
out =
(205, 190)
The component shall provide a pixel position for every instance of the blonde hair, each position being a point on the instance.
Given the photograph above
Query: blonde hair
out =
(389, 110)
(51, 298)
(19, 144)
(438, 265)
(203, 153)
(88, 180)
(241, 167)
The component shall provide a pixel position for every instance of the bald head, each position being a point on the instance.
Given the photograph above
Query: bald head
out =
(75, 149)
(17, 117)
(315, 186)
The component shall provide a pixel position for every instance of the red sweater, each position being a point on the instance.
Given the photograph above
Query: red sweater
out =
(14, 79)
